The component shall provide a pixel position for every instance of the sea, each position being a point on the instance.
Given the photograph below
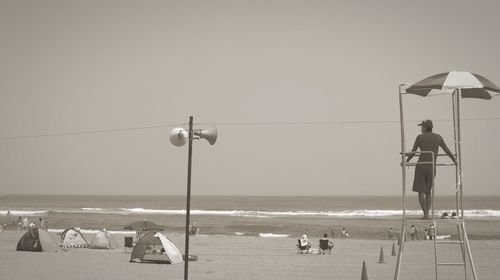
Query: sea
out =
(262, 216)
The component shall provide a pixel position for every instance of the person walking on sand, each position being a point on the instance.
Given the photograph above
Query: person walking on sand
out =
(422, 182)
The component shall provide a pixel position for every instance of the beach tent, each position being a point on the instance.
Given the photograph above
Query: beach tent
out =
(73, 238)
(103, 240)
(155, 247)
(36, 240)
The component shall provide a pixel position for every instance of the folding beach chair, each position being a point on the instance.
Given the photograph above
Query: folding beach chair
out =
(303, 248)
(129, 244)
(325, 246)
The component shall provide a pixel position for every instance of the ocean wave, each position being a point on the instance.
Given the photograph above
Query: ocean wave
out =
(356, 213)
(23, 212)
(92, 209)
(94, 231)
(273, 235)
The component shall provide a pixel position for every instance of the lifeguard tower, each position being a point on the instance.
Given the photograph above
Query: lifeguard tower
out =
(459, 85)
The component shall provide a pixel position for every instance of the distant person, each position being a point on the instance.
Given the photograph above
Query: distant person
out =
(390, 233)
(325, 241)
(422, 182)
(304, 241)
(413, 232)
(432, 232)
(193, 229)
(25, 222)
(426, 234)
(19, 223)
(304, 245)
(344, 232)
(41, 223)
(332, 233)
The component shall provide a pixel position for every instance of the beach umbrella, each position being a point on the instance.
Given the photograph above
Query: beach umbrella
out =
(470, 85)
(144, 226)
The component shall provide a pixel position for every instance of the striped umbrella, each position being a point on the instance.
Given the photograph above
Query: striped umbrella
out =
(471, 85)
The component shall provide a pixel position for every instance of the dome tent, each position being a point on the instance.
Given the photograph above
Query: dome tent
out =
(73, 238)
(103, 240)
(36, 240)
(155, 247)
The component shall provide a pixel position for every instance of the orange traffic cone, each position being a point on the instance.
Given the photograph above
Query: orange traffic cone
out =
(364, 274)
(381, 258)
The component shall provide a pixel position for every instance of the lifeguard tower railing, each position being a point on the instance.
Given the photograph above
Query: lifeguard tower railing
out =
(463, 240)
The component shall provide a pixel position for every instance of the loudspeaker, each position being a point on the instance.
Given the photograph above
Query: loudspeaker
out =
(178, 136)
(208, 134)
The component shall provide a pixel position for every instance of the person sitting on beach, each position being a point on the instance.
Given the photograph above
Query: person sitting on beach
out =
(304, 244)
(325, 244)
(304, 241)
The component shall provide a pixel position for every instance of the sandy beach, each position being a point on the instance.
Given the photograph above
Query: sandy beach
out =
(236, 257)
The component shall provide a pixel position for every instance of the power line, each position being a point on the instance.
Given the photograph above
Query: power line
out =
(332, 122)
(99, 131)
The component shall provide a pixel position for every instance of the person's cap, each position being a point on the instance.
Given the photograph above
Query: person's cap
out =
(426, 123)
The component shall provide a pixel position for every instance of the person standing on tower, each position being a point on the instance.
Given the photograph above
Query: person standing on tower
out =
(422, 182)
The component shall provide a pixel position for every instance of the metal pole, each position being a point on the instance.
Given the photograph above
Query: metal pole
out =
(457, 172)
(188, 199)
(459, 153)
(403, 170)
(434, 233)
(467, 246)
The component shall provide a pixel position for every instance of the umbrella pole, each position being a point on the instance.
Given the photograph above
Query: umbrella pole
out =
(188, 200)
(403, 170)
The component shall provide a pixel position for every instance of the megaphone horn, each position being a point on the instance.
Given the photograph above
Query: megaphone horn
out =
(178, 136)
(209, 134)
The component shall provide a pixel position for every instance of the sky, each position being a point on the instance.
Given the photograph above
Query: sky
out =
(304, 95)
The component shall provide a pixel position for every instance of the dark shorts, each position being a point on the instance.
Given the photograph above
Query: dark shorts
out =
(422, 182)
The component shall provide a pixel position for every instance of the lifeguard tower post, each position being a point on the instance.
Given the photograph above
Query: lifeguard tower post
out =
(458, 85)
